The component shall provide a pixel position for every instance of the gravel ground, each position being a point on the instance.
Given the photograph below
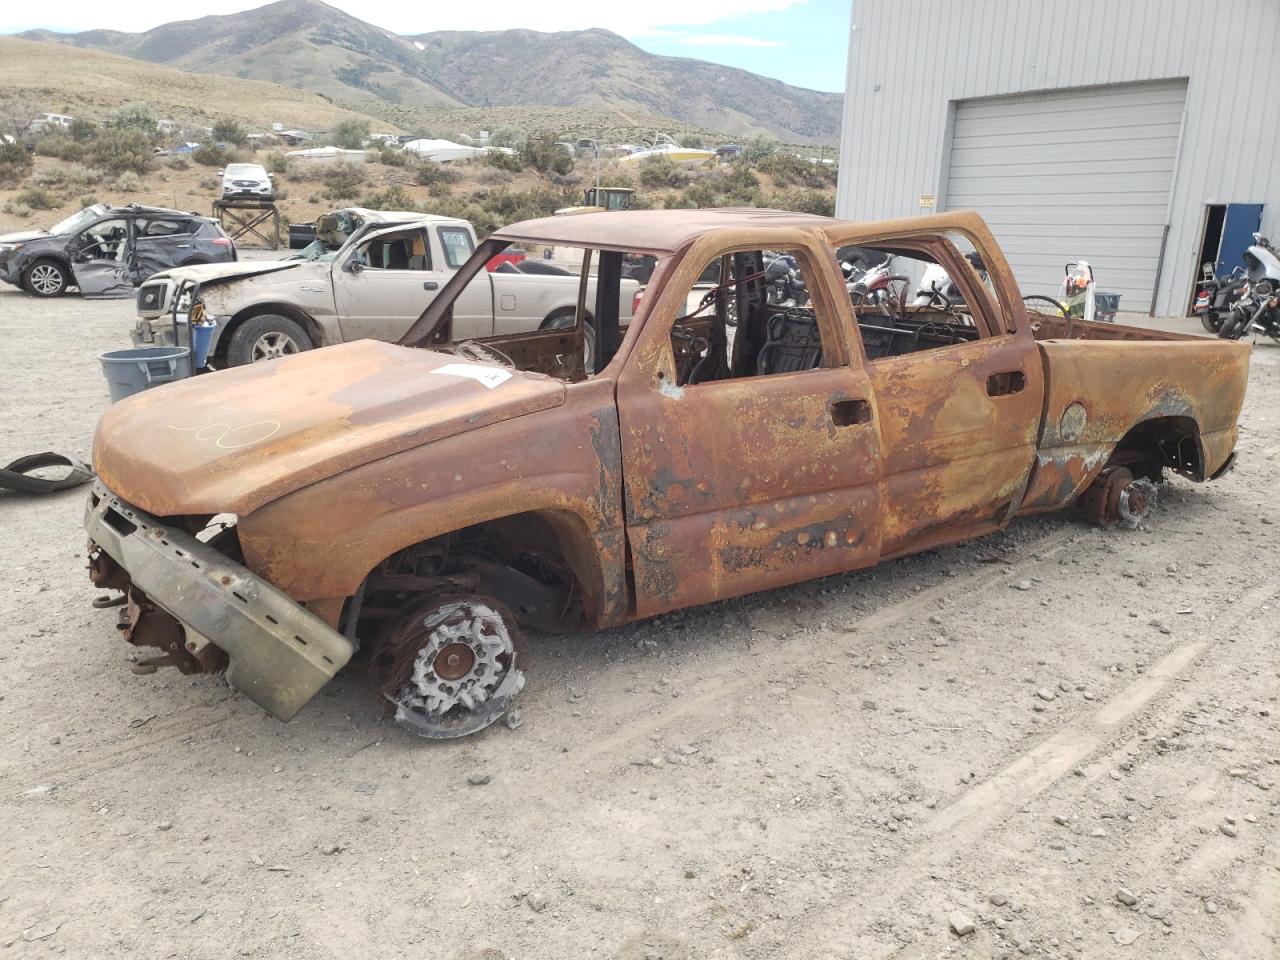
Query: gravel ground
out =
(1054, 742)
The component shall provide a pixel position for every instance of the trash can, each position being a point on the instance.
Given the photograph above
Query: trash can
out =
(132, 371)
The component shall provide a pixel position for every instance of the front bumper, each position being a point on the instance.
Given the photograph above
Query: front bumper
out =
(160, 333)
(280, 653)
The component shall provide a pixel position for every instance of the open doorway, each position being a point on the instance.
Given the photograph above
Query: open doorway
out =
(1228, 232)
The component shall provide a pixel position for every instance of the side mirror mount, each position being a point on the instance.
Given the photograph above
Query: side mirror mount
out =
(354, 265)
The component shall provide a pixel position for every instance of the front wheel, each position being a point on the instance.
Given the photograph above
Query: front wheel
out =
(1233, 328)
(266, 337)
(450, 667)
(1211, 321)
(47, 278)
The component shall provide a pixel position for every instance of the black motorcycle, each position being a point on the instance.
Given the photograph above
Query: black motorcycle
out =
(1214, 296)
(1257, 309)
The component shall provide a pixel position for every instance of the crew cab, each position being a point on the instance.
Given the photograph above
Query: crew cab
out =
(373, 286)
(107, 251)
(425, 499)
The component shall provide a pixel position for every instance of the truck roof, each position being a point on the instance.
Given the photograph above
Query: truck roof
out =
(659, 232)
(664, 232)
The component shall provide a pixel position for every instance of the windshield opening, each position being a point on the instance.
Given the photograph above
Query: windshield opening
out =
(77, 220)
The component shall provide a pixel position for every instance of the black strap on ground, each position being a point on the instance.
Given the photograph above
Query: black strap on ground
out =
(14, 476)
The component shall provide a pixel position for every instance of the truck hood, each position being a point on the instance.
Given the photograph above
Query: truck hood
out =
(23, 235)
(232, 441)
(208, 273)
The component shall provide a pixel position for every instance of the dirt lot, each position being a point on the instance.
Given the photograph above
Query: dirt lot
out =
(1030, 730)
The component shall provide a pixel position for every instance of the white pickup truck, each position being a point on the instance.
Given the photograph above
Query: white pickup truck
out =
(374, 286)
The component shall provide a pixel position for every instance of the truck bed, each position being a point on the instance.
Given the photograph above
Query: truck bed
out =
(1051, 327)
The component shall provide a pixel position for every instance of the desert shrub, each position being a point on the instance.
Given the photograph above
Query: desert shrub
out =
(209, 154)
(429, 172)
(440, 189)
(342, 181)
(789, 170)
(502, 160)
(510, 206)
(543, 154)
(276, 163)
(117, 150)
(48, 178)
(228, 131)
(38, 198)
(82, 176)
(821, 202)
(660, 171)
(701, 194)
(393, 198)
(391, 157)
(15, 163)
(504, 136)
(60, 146)
(757, 148)
(128, 182)
(740, 186)
(82, 131)
(88, 200)
(178, 162)
(209, 183)
(17, 209)
(350, 134)
(137, 116)
(489, 177)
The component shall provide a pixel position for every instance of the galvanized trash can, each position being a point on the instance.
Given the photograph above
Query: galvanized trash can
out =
(132, 371)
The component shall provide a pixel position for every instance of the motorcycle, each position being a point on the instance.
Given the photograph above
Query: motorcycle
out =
(1214, 296)
(1258, 307)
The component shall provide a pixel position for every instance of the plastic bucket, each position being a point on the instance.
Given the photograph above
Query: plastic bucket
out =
(201, 341)
(132, 371)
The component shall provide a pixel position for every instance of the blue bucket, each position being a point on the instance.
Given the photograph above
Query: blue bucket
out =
(201, 341)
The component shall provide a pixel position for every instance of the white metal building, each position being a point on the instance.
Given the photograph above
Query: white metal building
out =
(1142, 136)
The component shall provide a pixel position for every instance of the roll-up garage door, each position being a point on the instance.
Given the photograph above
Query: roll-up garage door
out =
(1081, 174)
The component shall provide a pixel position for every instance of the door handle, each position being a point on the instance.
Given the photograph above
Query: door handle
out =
(430, 285)
(846, 413)
(1005, 383)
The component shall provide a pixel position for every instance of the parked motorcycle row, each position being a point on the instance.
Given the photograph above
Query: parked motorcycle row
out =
(1247, 300)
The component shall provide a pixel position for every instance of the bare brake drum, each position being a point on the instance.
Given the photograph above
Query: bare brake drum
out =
(451, 667)
(1117, 497)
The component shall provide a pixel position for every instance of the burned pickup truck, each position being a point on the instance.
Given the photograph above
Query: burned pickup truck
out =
(420, 502)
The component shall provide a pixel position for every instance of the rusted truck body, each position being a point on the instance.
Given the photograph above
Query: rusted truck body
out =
(419, 501)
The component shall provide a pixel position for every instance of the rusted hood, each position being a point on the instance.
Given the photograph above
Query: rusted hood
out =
(235, 440)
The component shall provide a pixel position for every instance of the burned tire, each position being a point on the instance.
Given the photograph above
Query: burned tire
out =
(451, 666)
(46, 278)
(266, 337)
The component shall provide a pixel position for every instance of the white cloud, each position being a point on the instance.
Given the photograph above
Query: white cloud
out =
(725, 40)
(650, 18)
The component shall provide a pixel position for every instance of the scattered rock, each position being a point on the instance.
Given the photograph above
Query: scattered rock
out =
(1061, 820)
(1126, 896)
(41, 932)
(515, 720)
(537, 901)
(961, 925)
(164, 825)
(1227, 829)
(1044, 693)
(1022, 585)
(478, 779)
(329, 849)
(998, 899)
(1126, 936)
(1210, 906)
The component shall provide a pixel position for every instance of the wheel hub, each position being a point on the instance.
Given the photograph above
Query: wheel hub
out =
(454, 669)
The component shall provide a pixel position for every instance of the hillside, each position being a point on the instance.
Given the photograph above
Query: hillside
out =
(311, 46)
(88, 83)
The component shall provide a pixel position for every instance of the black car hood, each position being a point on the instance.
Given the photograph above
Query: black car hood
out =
(24, 235)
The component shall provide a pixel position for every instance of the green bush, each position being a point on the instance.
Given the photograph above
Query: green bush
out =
(821, 202)
(502, 160)
(276, 163)
(504, 136)
(137, 116)
(350, 134)
(38, 199)
(429, 173)
(342, 181)
(177, 162)
(15, 163)
(88, 200)
(60, 146)
(209, 154)
(660, 171)
(228, 131)
(120, 149)
(788, 170)
(545, 155)
(128, 182)
(48, 178)
(82, 176)
(391, 157)
(17, 209)
(393, 198)
(82, 131)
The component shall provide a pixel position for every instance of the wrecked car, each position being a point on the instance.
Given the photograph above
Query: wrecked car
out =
(374, 285)
(424, 501)
(107, 251)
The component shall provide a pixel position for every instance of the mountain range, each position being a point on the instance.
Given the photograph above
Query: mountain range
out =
(311, 46)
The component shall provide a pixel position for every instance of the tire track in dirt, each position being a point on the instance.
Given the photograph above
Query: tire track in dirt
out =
(961, 824)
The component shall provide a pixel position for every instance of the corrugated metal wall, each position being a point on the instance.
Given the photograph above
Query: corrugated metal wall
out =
(911, 60)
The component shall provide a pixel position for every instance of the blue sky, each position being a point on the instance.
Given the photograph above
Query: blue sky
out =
(802, 42)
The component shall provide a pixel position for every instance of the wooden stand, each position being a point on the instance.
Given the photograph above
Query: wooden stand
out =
(242, 219)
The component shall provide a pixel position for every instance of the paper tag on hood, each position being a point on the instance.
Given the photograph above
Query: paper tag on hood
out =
(490, 376)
